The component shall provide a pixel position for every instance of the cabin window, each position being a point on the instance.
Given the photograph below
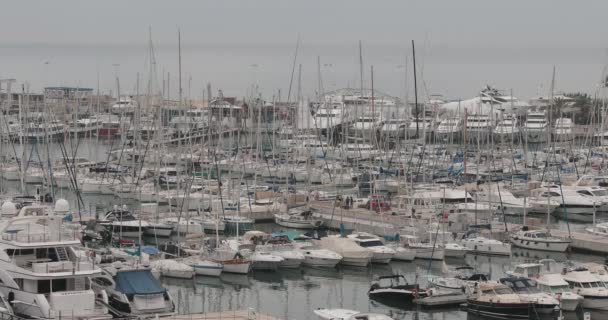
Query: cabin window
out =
(44, 286)
(19, 252)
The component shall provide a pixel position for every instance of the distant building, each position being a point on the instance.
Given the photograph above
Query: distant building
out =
(10, 104)
(61, 94)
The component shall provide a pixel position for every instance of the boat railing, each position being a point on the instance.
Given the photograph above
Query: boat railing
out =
(61, 266)
(30, 237)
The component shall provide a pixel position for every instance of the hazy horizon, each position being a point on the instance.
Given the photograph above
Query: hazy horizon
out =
(461, 46)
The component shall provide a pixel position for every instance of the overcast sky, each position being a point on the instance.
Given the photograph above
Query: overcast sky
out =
(460, 43)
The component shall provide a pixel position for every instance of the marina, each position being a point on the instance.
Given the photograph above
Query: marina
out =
(222, 164)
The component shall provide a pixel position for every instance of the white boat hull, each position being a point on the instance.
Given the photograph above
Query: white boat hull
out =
(209, 270)
(455, 253)
(356, 262)
(553, 246)
(238, 267)
(430, 254)
(318, 262)
(403, 254)
(296, 224)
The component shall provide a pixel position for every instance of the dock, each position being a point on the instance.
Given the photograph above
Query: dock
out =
(584, 242)
(227, 315)
(358, 218)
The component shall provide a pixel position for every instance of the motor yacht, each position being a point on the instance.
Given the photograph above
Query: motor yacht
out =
(381, 253)
(563, 129)
(36, 251)
(555, 285)
(590, 287)
(536, 128)
(352, 254)
(134, 291)
(573, 207)
(423, 250)
(544, 303)
(314, 255)
(482, 245)
(507, 129)
(498, 301)
(539, 240)
(395, 289)
(478, 127)
(449, 129)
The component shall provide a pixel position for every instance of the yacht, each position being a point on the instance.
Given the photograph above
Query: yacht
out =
(381, 253)
(554, 284)
(133, 291)
(563, 129)
(508, 204)
(590, 287)
(507, 129)
(260, 259)
(46, 130)
(298, 218)
(544, 303)
(314, 255)
(424, 125)
(44, 275)
(395, 288)
(394, 128)
(121, 222)
(124, 105)
(85, 126)
(280, 245)
(365, 126)
(423, 250)
(483, 245)
(478, 126)
(498, 301)
(464, 280)
(449, 129)
(352, 254)
(539, 240)
(573, 207)
(326, 118)
(536, 126)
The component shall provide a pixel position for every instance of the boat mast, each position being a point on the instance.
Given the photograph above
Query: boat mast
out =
(415, 88)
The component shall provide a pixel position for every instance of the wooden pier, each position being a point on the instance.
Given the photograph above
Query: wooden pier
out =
(227, 315)
(584, 242)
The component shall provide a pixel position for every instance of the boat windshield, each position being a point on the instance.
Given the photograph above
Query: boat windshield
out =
(373, 243)
(560, 289)
(524, 286)
(592, 285)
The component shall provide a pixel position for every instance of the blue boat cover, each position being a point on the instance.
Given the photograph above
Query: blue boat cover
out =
(137, 282)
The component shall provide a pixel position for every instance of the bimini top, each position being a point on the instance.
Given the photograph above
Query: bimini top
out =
(137, 282)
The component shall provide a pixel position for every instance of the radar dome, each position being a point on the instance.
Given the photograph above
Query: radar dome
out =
(62, 206)
(8, 209)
